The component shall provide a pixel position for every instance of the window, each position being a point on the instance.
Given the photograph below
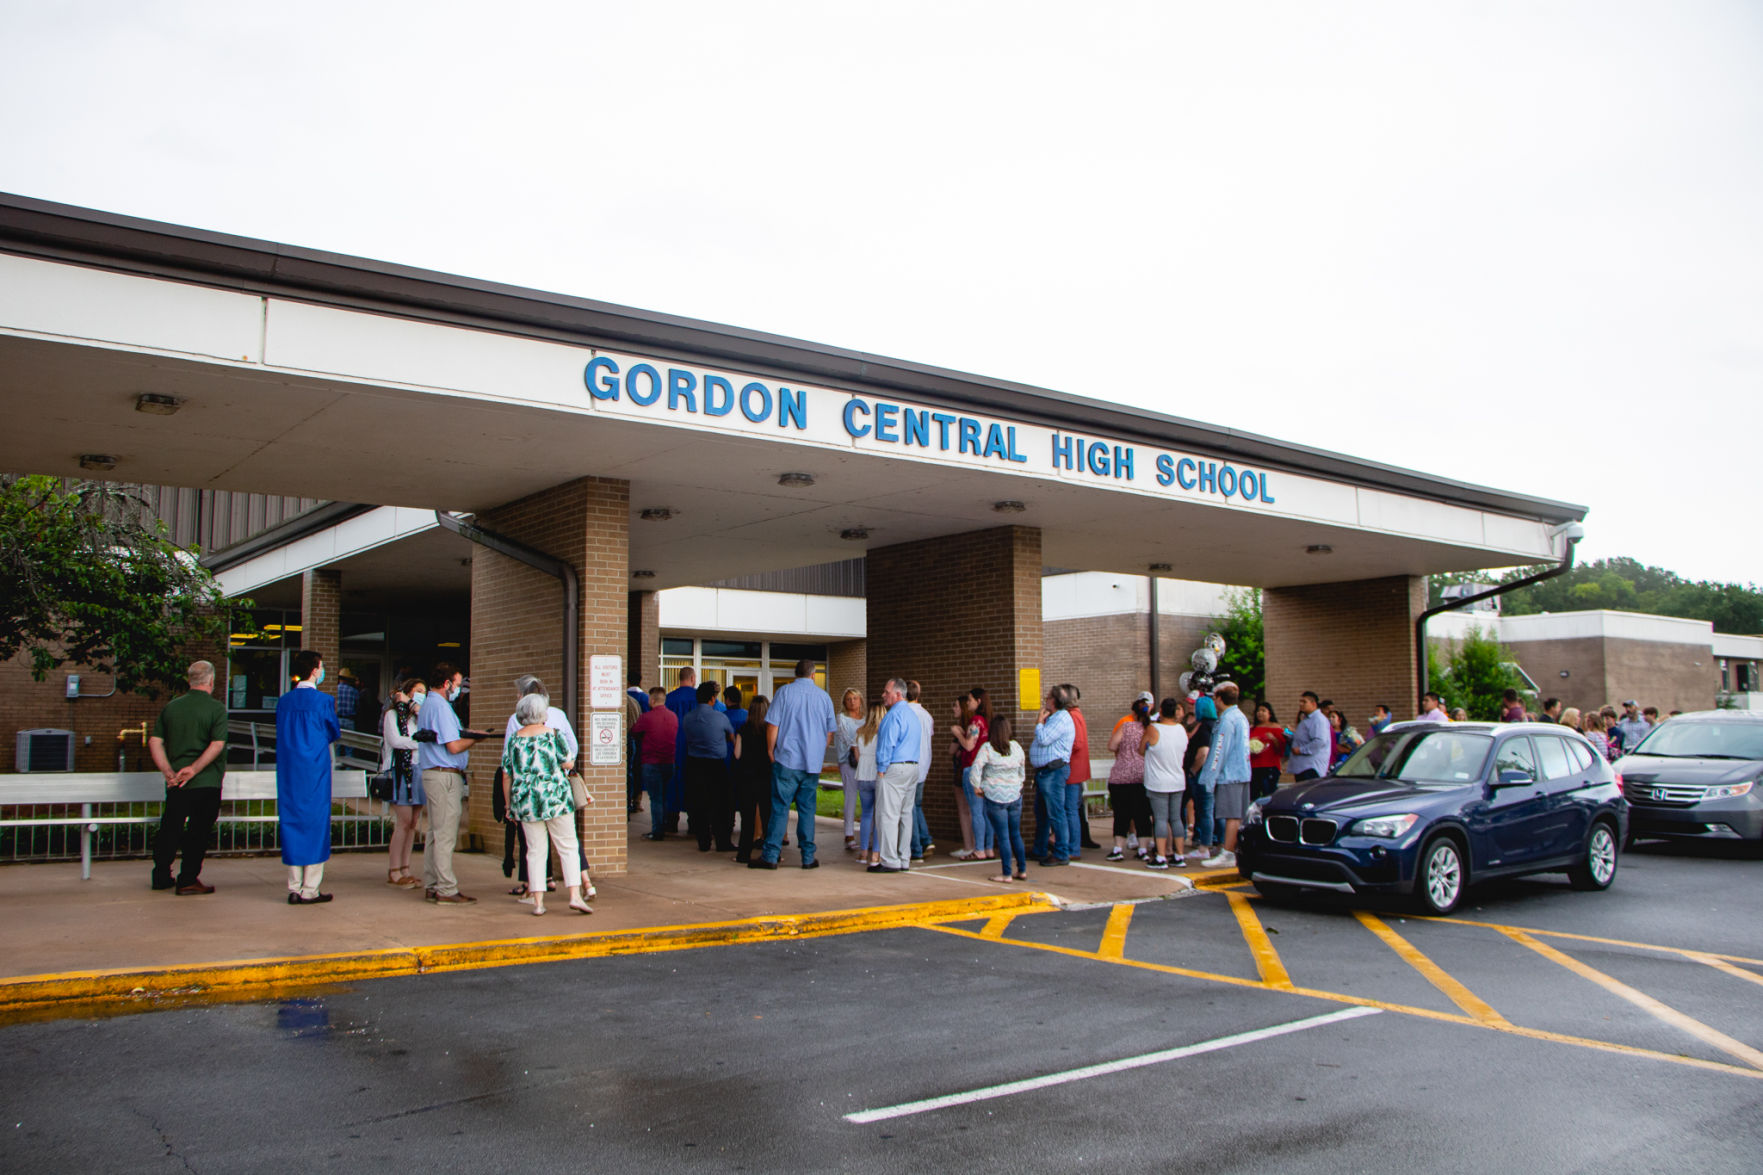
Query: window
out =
(1580, 753)
(1515, 755)
(1552, 755)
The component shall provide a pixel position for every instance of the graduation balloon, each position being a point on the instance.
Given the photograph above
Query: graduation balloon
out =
(1214, 642)
(1202, 683)
(1204, 660)
(1183, 683)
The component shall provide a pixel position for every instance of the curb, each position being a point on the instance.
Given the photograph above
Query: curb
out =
(240, 978)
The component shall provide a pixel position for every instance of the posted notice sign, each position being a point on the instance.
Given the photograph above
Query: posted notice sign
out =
(605, 682)
(605, 739)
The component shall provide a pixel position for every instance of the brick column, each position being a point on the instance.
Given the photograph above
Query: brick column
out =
(1352, 642)
(321, 622)
(846, 669)
(643, 648)
(953, 613)
(517, 627)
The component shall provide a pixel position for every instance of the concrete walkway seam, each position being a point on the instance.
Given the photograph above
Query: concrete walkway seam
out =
(239, 976)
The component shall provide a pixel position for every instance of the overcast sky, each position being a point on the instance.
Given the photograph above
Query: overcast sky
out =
(1516, 244)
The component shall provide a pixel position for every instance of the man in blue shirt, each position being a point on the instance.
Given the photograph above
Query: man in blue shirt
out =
(1380, 718)
(682, 702)
(1050, 757)
(710, 800)
(798, 729)
(441, 761)
(1226, 772)
(896, 764)
(1312, 742)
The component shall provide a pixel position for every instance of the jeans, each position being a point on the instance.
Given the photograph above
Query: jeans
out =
(656, 777)
(1042, 825)
(866, 831)
(920, 826)
(984, 837)
(1050, 782)
(1076, 821)
(1004, 822)
(790, 787)
(1207, 831)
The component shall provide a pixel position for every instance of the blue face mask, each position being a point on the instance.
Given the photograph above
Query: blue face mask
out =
(453, 694)
(319, 680)
(416, 700)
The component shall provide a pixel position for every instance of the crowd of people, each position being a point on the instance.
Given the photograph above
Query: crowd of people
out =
(1183, 771)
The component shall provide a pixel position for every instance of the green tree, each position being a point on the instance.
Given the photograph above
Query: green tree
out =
(1245, 645)
(89, 576)
(1627, 585)
(1477, 672)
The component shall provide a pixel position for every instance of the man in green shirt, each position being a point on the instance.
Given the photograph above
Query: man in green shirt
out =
(188, 746)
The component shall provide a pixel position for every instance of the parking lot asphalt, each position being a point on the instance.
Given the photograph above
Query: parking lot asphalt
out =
(1540, 1029)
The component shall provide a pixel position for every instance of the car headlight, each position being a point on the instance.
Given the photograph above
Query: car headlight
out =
(1727, 790)
(1389, 827)
(1252, 816)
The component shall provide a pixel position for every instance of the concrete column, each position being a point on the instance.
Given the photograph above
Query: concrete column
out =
(953, 613)
(643, 649)
(516, 627)
(1352, 642)
(321, 621)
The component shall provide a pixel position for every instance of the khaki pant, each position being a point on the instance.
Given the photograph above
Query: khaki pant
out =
(893, 808)
(305, 879)
(446, 801)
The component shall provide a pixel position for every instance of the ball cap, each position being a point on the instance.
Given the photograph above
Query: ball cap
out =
(1145, 697)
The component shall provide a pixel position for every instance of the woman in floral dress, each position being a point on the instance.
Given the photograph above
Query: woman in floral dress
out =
(535, 781)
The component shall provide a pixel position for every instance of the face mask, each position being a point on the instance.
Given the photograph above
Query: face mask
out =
(319, 680)
(453, 694)
(416, 700)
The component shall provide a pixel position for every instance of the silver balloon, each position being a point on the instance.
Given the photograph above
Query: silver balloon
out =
(1215, 642)
(1185, 679)
(1202, 683)
(1205, 660)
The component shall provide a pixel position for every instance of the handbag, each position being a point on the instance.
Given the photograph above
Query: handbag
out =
(851, 756)
(379, 785)
(578, 791)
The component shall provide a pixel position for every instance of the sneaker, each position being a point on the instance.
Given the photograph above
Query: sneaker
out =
(1179, 862)
(1115, 855)
(1225, 857)
(1157, 863)
(453, 899)
(916, 861)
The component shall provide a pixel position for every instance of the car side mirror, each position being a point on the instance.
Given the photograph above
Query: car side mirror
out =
(1514, 777)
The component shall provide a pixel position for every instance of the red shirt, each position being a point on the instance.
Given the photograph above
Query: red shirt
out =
(1273, 739)
(1080, 748)
(977, 730)
(659, 731)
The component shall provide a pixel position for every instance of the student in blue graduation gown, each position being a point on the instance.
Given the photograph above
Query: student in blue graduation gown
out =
(305, 727)
(682, 702)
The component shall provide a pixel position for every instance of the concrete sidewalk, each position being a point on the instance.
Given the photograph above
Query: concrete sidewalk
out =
(56, 924)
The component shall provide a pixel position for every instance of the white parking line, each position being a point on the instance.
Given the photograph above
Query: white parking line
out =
(1088, 1071)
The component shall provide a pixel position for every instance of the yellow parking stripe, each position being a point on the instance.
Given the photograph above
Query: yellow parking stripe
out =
(996, 925)
(1720, 964)
(1363, 1001)
(1642, 1000)
(1273, 972)
(1435, 975)
(1609, 942)
(1114, 935)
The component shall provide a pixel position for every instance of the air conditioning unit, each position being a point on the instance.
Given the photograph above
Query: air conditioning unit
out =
(45, 750)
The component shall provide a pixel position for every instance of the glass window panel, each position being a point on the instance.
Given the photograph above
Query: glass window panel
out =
(673, 646)
(747, 649)
(794, 653)
(1552, 754)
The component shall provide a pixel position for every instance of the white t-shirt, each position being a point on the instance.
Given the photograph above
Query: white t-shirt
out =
(1163, 773)
(557, 720)
(866, 771)
(928, 731)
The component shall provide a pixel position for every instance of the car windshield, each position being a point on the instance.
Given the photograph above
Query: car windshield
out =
(1430, 753)
(1705, 740)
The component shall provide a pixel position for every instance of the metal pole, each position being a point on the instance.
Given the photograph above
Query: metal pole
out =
(1156, 667)
(1561, 568)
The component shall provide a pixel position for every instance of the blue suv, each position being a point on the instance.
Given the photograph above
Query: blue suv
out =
(1426, 809)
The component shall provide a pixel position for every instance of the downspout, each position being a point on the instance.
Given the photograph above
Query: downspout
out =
(1573, 532)
(550, 565)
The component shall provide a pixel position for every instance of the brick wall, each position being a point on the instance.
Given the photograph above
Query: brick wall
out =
(847, 668)
(516, 628)
(1605, 671)
(953, 613)
(1108, 657)
(643, 648)
(321, 619)
(1352, 642)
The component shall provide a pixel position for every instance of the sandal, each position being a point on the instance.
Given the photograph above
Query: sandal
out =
(1002, 877)
(519, 890)
(1020, 877)
(538, 910)
(583, 908)
(850, 844)
(963, 854)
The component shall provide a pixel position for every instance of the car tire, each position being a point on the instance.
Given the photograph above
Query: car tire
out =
(1440, 877)
(1597, 868)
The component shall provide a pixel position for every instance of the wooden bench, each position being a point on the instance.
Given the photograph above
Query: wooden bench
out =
(134, 787)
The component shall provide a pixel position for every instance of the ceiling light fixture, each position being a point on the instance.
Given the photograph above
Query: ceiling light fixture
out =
(1318, 549)
(796, 480)
(645, 573)
(157, 405)
(656, 514)
(98, 462)
(854, 534)
(1161, 567)
(1009, 506)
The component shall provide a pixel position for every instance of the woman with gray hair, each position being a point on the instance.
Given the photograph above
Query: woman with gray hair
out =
(535, 780)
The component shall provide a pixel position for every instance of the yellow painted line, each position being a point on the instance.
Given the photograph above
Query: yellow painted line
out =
(1720, 964)
(125, 984)
(1435, 975)
(1645, 1002)
(996, 925)
(1114, 935)
(1273, 972)
(1611, 942)
(1404, 1009)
